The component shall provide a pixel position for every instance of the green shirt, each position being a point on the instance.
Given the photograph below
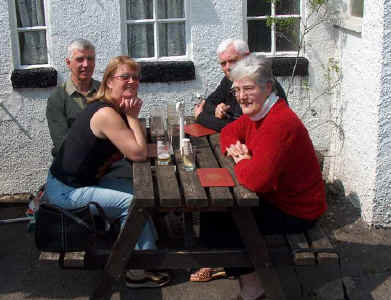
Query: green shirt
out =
(62, 108)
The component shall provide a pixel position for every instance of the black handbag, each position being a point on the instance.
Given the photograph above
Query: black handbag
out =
(61, 230)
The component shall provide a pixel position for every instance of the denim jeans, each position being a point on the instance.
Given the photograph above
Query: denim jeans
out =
(113, 194)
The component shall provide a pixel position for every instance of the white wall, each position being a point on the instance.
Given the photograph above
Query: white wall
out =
(24, 161)
(364, 165)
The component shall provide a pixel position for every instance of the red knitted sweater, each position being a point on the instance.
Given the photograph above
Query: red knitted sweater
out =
(283, 169)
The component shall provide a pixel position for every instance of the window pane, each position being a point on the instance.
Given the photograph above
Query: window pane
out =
(259, 36)
(357, 8)
(140, 40)
(287, 35)
(30, 13)
(33, 49)
(139, 9)
(172, 39)
(258, 8)
(167, 9)
(288, 7)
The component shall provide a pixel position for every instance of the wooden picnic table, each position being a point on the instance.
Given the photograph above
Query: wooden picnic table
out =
(170, 188)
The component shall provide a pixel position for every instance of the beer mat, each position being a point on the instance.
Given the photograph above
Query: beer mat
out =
(152, 150)
(198, 130)
(215, 177)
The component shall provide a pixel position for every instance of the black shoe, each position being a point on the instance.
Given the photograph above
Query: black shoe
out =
(148, 280)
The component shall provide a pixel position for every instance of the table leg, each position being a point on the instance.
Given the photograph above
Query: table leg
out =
(121, 252)
(258, 253)
(188, 229)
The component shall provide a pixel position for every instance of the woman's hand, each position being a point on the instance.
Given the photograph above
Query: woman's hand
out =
(131, 107)
(238, 152)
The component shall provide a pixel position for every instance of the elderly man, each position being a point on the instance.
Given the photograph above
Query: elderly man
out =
(221, 107)
(71, 98)
(68, 100)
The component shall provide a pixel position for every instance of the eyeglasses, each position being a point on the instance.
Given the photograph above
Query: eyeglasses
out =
(248, 89)
(126, 77)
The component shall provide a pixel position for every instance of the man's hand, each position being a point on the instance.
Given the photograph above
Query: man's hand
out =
(198, 108)
(238, 152)
(221, 110)
(131, 107)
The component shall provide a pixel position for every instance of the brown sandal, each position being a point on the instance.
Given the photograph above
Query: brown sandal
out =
(207, 274)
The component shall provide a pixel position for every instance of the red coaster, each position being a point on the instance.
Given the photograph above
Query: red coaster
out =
(198, 130)
(215, 177)
(152, 150)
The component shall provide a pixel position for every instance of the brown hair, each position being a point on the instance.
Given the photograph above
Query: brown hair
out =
(104, 93)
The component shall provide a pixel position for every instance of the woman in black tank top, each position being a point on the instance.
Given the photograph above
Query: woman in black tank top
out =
(104, 132)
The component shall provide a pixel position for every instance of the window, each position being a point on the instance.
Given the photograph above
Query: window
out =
(357, 8)
(273, 26)
(155, 29)
(28, 25)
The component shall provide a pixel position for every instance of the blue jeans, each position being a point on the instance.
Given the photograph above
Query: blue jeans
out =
(113, 194)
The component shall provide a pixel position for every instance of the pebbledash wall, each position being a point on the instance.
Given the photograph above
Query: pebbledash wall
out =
(25, 143)
(362, 160)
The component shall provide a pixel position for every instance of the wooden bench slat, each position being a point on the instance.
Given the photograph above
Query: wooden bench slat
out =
(143, 184)
(319, 240)
(243, 196)
(169, 193)
(298, 241)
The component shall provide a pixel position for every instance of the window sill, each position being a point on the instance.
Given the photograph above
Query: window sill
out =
(351, 23)
(34, 78)
(283, 66)
(167, 71)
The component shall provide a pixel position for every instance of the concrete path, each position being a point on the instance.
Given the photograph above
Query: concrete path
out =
(365, 257)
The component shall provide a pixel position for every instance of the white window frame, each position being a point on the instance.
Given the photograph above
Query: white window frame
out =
(273, 51)
(349, 22)
(14, 29)
(155, 21)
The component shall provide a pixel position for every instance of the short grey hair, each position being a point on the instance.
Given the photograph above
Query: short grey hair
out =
(257, 68)
(240, 46)
(79, 44)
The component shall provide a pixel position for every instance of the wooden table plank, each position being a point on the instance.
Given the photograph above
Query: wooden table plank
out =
(143, 189)
(168, 188)
(193, 192)
(219, 196)
(243, 196)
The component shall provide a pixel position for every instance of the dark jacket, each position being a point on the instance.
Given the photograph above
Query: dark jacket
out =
(223, 94)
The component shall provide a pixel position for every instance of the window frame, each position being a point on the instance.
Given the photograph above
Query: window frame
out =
(155, 21)
(15, 30)
(348, 21)
(273, 51)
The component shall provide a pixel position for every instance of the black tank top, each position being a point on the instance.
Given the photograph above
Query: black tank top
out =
(82, 154)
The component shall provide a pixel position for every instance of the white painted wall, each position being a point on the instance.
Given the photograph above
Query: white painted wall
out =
(24, 161)
(364, 164)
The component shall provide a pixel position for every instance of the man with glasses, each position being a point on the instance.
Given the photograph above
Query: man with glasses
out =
(221, 107)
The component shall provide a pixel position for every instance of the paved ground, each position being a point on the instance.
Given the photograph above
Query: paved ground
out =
(366, 264)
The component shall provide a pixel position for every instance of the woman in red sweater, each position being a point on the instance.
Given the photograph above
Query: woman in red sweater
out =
(274, 157)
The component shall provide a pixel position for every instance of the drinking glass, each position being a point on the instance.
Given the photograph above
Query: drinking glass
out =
(157, 122)
(173, 126)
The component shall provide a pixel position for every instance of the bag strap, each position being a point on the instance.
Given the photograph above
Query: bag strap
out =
(69, 215)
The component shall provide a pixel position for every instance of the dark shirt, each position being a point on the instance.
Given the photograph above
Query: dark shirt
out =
(223, 94)
(82, 155)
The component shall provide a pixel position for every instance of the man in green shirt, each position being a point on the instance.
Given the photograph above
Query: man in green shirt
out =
(71, 98)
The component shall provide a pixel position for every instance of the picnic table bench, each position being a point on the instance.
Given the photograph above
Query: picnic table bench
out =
(291, 266)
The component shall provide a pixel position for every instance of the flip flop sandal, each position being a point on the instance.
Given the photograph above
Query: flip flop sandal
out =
(207, 274)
